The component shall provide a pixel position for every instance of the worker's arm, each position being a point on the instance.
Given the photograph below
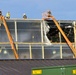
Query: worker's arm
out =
(48, 17)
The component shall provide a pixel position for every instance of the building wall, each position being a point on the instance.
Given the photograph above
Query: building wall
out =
(30, 43)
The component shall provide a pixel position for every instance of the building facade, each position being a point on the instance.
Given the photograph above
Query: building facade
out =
(29, 37)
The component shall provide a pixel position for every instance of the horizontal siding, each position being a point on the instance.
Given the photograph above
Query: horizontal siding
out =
(23, 67)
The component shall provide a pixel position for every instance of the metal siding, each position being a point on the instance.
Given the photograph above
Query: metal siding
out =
(24, 67)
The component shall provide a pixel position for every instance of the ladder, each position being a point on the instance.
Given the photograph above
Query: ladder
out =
(65, 37)
(9, 37)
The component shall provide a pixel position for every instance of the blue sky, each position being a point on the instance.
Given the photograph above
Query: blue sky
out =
(61, 9)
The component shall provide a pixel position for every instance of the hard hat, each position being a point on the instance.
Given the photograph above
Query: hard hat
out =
(48, 11)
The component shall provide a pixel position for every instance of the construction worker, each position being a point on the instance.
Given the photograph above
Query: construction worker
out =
(0, 12)
(24, 16)
(47, 15)
(8, 15)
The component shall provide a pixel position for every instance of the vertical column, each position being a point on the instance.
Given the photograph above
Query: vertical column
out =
(74, 34)
(16, 31)
(74, 27)
(16, 34)
(30, 50)
(60, 43)
(42, 42)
